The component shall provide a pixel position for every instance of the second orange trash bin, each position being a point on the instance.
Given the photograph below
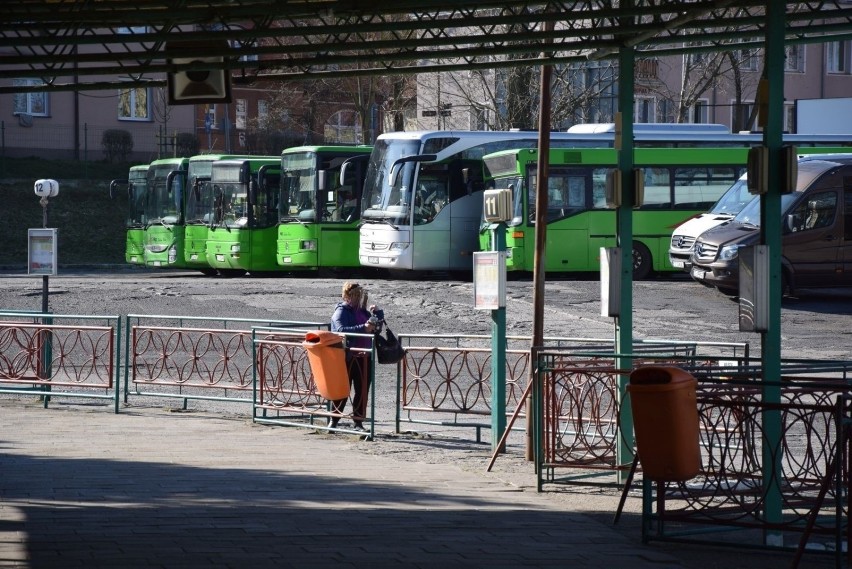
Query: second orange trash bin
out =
(665, 419)
(327, 356)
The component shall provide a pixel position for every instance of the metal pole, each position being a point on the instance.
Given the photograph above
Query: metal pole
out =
(45, 279)
(770, 235)
(540, 231)
(624, 238)
(498, 355)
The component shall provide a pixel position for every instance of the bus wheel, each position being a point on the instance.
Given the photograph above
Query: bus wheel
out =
(232, 272)
(641, 261)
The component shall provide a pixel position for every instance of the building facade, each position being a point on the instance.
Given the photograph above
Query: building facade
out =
(707, 88)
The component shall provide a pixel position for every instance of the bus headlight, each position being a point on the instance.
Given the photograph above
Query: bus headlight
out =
(398, 246)
(172, 254)
(308, 245)
(235, 248)
(728, 253)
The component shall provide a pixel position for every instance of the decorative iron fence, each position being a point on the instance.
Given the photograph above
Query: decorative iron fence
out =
(75, 359)
(212, 362)
(285, 388)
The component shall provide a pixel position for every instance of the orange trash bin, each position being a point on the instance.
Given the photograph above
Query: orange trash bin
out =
(665, 420)
(327, 357)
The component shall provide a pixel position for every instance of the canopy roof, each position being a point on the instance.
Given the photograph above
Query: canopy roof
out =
(102, 44)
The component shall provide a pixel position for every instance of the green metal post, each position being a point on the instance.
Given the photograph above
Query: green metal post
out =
(498, 353)
(771, 236)
(624, 237)
(117, 360)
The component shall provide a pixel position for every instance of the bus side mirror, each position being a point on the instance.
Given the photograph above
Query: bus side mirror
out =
(758, 170)
(113, 188)
(789, 169)
(612, 189)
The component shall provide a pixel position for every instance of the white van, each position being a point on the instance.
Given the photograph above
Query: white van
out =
(730, 204)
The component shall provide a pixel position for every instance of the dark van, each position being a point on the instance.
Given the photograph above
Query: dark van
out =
(816, 241)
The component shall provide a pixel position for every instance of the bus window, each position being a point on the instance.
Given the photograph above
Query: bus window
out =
(576, 192)
(700, 188)
(566, 193)
(429, 198)
(657, 188)
(599, 188)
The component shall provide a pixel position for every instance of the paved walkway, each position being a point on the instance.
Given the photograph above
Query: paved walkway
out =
(83, 487)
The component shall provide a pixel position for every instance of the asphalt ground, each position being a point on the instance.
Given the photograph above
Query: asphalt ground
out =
(81, 486)
(157, 486)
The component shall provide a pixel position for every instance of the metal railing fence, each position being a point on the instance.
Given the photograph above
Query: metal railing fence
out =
(75, 359)
(216, 362)
(285, 390)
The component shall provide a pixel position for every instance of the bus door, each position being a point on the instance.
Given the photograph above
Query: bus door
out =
(263, 211)
(569, 245)
(340, 197)
(462, 187)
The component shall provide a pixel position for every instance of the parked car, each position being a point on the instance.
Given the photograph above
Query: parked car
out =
(730, 204)
(683, 239)
(816, 233)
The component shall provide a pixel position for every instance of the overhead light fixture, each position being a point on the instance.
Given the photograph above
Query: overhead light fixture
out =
(199, 84)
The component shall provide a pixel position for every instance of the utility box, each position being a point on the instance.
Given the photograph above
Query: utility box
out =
(665, 419)
(327, 357)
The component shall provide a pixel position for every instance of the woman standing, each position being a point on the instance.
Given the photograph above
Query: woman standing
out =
(351, 316)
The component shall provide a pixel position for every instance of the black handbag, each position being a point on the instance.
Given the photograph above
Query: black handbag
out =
(388, 348)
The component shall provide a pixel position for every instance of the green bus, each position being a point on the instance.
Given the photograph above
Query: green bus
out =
(320, 206)
(135, 184)
(164, 233)
(240, 206)
(195, 226)
(679, 183)
(175, 234)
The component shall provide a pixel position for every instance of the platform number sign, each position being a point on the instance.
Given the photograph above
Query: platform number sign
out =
(498, 205)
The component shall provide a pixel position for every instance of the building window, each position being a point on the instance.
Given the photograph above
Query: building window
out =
(646, 110)
(479, 115)
(262, 112)
(789, 117)
(134, 104)
(210, 118)
(836, 54)
(794, 58)
(700, 112)
(740, 115)
(34, 104)
(244, 45)
(343, 127)
(749, 59)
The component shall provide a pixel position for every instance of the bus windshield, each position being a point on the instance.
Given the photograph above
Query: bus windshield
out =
(165, 195)
(225, 197)
(229, 204)
(298, 200)
(198, 174)
(385, 198)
